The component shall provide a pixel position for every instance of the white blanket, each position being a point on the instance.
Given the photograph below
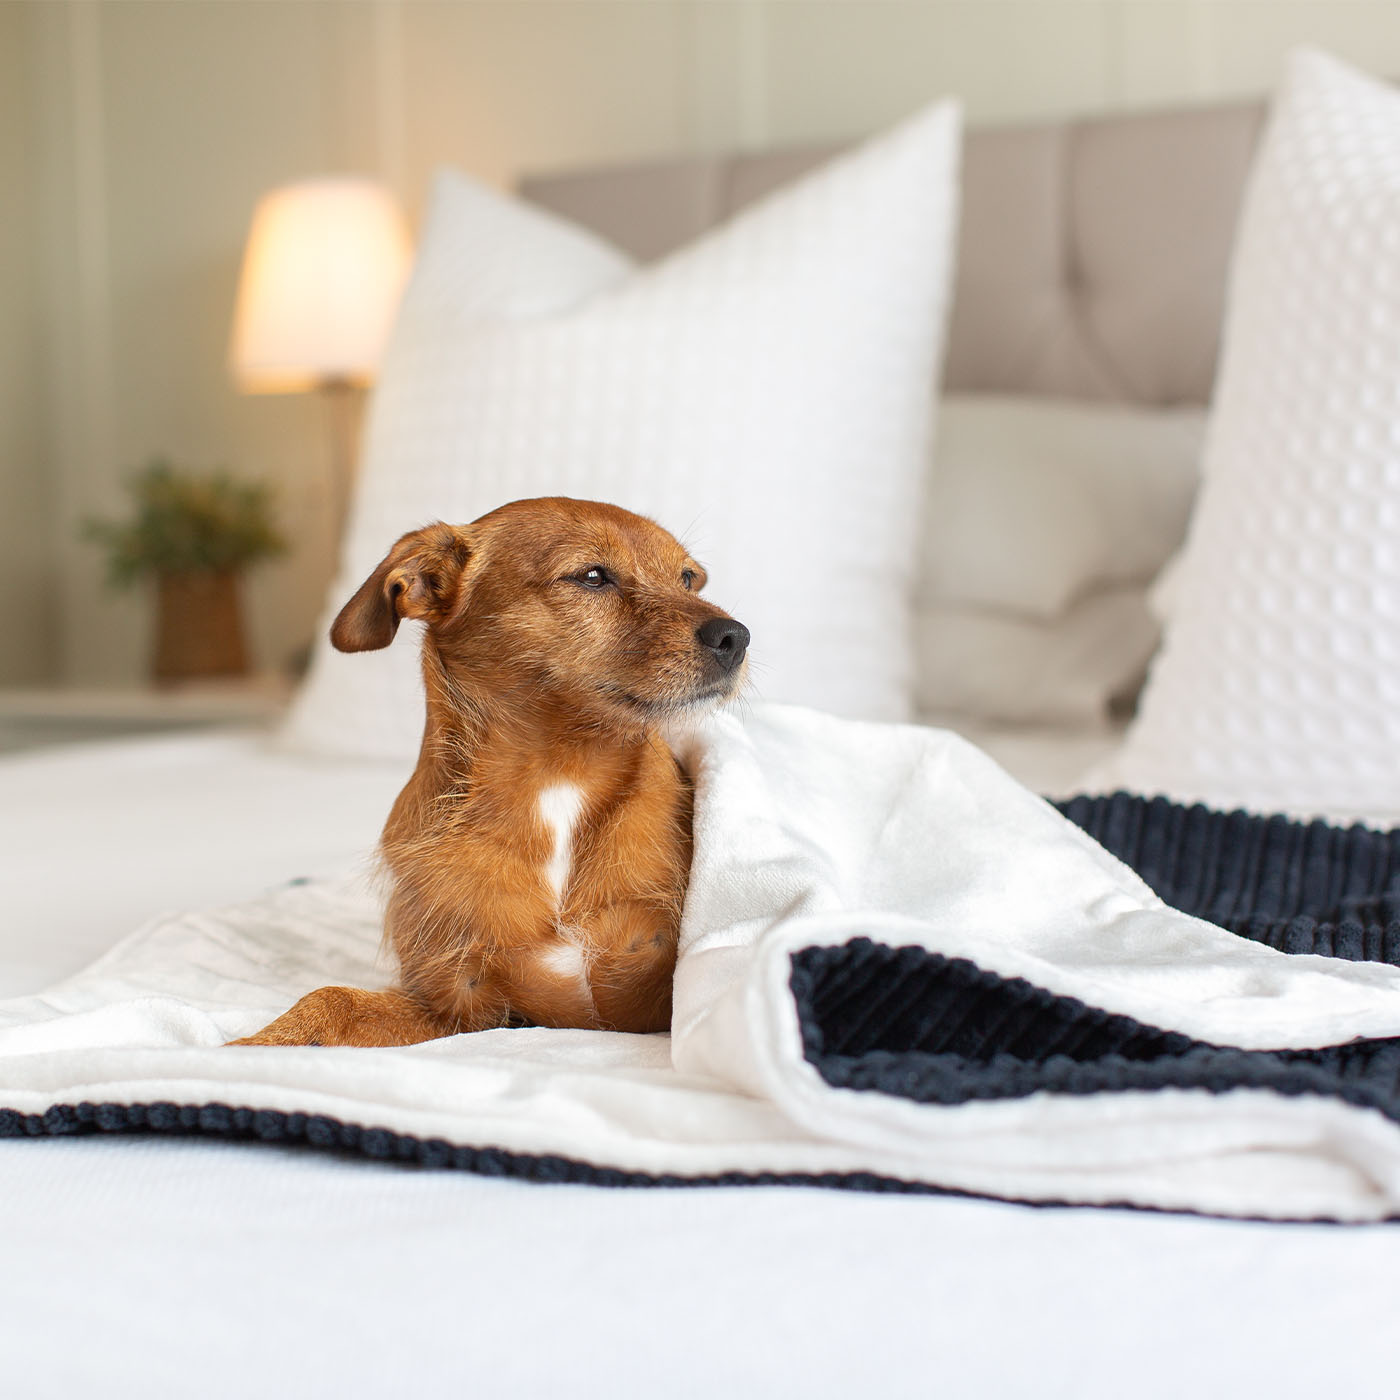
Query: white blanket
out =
(810, 832)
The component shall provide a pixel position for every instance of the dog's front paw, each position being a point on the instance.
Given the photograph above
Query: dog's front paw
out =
(271, 1035)
(319, 1018)
(349, 1016)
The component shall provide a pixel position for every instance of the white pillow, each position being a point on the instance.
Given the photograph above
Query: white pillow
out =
(1278, 686)
(764, 394)
(1011, 669)
(1035, 502)
(1044, 523)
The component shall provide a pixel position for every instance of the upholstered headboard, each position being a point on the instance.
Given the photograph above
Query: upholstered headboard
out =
(1092, 255)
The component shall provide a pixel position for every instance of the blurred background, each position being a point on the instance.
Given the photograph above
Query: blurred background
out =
(136, 138)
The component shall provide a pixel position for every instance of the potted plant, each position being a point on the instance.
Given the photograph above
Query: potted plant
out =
(194, 533)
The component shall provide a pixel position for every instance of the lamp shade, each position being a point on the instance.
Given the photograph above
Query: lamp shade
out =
(322, 273)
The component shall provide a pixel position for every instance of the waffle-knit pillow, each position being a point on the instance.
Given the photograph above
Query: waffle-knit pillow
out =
(1278, 686)
(763, 393)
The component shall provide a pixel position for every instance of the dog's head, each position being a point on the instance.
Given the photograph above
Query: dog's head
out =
(585, 602)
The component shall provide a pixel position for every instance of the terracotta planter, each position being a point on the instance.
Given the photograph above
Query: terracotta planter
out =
(199, 626)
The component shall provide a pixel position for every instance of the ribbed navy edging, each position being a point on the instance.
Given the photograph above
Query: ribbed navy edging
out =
(1299, 887)
(216, 1120)
(917, 1025)
(331, 1135)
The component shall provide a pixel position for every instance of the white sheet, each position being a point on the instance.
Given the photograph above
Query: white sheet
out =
(150, 1268)
(96, 839)
(133, 1265)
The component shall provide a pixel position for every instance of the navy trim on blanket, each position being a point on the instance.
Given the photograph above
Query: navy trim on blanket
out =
(1299, 887)
(331, 1135)
(920, 1026)
(266, 1125)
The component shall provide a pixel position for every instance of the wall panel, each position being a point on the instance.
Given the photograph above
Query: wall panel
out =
(837, 66)
(502, 86)
(28, 651)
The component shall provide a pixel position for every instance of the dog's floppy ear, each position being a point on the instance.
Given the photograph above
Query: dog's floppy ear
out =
(422, 577)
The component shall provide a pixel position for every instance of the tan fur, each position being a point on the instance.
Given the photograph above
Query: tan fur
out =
(534, 680)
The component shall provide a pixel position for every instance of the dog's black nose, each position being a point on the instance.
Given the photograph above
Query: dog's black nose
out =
(725, 640)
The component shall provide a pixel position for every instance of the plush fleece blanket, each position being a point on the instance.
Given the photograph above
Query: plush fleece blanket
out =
(898, 970)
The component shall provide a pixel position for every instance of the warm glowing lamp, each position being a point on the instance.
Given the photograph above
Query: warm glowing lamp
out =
(322, 273)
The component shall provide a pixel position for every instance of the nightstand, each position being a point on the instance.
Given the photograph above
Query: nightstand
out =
(39, 718)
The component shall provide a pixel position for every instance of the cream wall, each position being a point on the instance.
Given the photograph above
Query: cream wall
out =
(26, 620)
(135, 137)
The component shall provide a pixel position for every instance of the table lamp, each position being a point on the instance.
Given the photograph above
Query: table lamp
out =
(324, 266)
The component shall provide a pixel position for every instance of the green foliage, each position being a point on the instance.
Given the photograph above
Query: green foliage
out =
(188, 522)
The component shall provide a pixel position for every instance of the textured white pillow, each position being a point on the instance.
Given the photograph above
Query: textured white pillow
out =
(1278, 686)
(1036, 502)
(764, 394)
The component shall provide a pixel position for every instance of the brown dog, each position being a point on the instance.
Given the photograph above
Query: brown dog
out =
(539, 852)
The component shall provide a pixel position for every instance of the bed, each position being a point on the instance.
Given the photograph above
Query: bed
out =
(150, 1265)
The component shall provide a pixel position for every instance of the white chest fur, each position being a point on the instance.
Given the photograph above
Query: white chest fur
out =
(559, 808)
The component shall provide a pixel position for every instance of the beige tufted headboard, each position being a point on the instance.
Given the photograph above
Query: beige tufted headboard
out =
(1092, 253)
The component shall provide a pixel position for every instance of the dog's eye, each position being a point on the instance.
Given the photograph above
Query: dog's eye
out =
(596, 577)
(688, 578)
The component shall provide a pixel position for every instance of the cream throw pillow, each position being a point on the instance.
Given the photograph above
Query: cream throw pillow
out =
(1035, 503)
(764, 394)
(1005, 667)
(1044, 522)
(1278, 686)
